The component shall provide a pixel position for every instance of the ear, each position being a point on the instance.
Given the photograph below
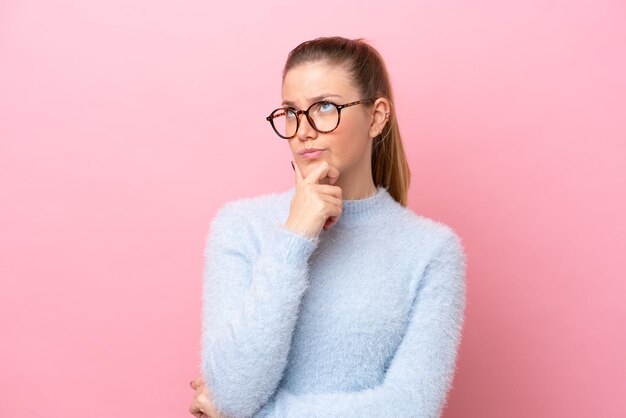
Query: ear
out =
(380, 117)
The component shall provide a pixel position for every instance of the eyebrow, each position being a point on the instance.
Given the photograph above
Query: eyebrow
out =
(312, 100)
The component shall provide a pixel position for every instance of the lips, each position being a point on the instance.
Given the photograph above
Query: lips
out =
(313, 154)
(305, 151)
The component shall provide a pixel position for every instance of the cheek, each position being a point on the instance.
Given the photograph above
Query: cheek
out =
(345, 150)
(351, 140)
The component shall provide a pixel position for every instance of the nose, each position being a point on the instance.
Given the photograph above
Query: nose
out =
(305, 130)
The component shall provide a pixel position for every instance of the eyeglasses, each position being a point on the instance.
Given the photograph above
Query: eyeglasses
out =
(323, 116)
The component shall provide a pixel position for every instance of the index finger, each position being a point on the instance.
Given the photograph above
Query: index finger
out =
(296, 168)
(322, 171)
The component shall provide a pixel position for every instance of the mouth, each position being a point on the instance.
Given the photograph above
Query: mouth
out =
(312, 154)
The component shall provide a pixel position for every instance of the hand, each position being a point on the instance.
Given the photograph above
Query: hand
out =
(202, 405)
(315, 206)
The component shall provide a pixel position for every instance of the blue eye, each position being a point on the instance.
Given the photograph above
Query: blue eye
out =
(327, 107)
(289, 113)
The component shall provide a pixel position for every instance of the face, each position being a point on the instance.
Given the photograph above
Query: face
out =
(348, 147)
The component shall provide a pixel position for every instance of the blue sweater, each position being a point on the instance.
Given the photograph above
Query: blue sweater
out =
(364, 320)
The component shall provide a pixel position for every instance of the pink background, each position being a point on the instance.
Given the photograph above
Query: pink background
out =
(125, 125)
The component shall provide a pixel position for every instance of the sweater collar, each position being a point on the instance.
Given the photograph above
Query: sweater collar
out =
(363, 211)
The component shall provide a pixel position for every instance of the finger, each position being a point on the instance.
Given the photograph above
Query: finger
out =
(195, 410)
(296, 168)
(332, 199)
(322, 171)
(335, 209)
(332, 174)
(198, 381)
(327, 189)
(205, 403)
(329, 222)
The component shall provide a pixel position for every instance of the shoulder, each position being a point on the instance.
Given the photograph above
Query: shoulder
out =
(432, 246)
(427, 236)
(250, 208)
(241, 220)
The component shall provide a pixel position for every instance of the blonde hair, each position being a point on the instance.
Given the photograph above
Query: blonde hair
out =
(369, 73)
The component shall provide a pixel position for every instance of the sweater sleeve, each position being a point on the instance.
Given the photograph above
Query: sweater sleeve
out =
(422, 369)
(249, 309)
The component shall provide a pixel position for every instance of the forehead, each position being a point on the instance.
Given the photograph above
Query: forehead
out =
(311, 80)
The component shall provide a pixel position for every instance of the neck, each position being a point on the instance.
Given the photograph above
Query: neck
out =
(356, 192)
(356, 181)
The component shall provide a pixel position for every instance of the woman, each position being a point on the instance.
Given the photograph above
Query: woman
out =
(331, 299)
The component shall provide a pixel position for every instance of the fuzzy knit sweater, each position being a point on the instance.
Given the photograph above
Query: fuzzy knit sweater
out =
(363, 320)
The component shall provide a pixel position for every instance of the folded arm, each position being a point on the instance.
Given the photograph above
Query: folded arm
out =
(421, 372)
(250, 307)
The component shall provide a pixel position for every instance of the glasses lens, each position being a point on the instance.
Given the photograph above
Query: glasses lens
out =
(284, 122)
(325, 116)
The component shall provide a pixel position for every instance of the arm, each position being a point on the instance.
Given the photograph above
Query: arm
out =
(421, 372)
(249, 310)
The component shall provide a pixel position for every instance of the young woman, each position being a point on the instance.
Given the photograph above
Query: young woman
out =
(333, 298)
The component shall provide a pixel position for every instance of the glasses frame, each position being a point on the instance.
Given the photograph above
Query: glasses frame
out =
(271, 117)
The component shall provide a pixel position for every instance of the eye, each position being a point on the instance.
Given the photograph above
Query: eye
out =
(327, 107)
(290, 113)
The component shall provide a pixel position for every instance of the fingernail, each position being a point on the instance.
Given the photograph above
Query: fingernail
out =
(294, 168)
